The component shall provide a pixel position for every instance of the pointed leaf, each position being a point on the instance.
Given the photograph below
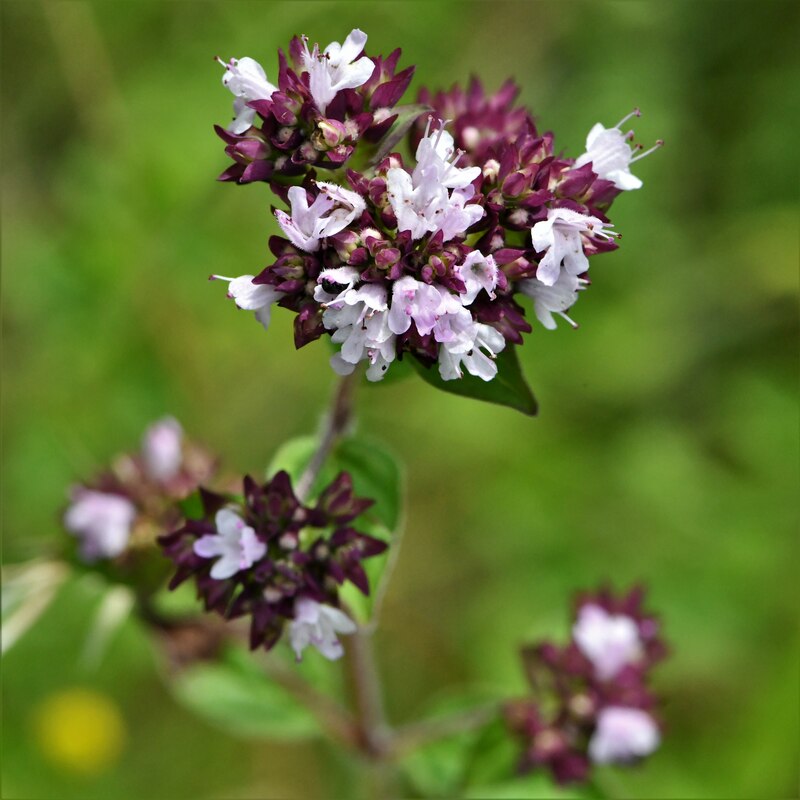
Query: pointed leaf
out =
(507, 388)
(237, 696)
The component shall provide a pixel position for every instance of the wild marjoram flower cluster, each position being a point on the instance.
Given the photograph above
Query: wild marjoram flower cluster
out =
(429, 257)
(427, 260)
(262, 554)
(592, 703)
(275, 560)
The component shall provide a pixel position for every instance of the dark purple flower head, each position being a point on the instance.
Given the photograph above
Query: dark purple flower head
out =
(481, 123)
(260, 556)
(119, 513)
(591, 698)
(432, 255)
(324, 104)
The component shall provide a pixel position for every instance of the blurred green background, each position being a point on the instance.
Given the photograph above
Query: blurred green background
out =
(666, 449)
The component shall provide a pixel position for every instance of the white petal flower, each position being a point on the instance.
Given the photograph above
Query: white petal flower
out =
(252, 296)
(609, 641)
(436, 161)
(101, 521)
(423, 201)
(359, 321)
(235, 545)
(348, 205)
(344, 277)
(337, 68)
(560, 237)
(162, 450)
(555, 299)
(413, 300)
(317, 624)
(333, 209)
(610, 154)
(623, 734)
(454, 324)
(248, 81)
(478, 272)
(457, 214)
(467, 352)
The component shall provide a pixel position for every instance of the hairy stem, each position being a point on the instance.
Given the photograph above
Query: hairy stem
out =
(367, 694)
(335, 426)
(376, 740)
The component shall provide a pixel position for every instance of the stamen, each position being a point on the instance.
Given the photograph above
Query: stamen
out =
(439, 133)
(568, 319)
(659, 143)
(634, 113)
(219, 278)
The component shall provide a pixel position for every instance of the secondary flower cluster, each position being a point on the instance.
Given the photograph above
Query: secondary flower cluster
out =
(137, 497)
(429, 258)
(325, 103)
(592, 703)
(275, 560)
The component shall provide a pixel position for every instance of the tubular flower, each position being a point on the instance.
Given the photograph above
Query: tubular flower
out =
(317, 624)
(592, 703)
(248, 82)
(272, 559)
(336, 67)
(610, 155)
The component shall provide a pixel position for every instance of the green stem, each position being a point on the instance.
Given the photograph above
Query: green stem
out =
(335, 426)
(376, 740)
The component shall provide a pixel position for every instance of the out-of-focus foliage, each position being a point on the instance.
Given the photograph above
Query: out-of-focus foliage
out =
(666, 446)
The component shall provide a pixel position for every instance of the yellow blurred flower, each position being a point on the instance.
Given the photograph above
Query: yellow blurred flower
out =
(79, 730)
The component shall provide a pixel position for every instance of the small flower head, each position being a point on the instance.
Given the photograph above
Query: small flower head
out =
(591, 703)
(128, 504)
(275, 560)
(325, 103)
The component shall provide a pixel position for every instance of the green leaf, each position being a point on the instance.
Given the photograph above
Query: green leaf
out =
(235, 695)
(406, 117)
(376, 474)
(507, 388)
(537, 785)
(293, 456)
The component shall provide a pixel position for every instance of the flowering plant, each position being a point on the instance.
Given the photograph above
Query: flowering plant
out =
(426, 260)
(442, 257)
